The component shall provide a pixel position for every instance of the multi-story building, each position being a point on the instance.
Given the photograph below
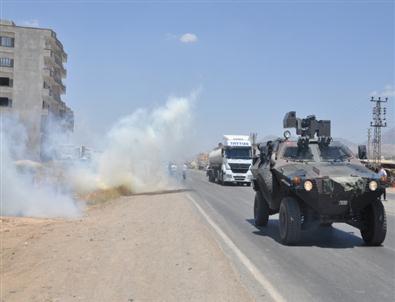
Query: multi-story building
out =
(31, 73)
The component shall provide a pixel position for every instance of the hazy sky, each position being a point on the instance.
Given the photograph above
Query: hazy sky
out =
(251, 60)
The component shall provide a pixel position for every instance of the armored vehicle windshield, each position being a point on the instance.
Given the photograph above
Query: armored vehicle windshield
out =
(298, 153)
(335, 152)
(315, 152)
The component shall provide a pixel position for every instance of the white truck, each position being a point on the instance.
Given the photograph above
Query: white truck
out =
(230, 162)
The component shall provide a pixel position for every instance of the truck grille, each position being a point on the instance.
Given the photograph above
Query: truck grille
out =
(239, 168)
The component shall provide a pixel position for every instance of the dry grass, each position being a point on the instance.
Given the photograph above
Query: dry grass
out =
(104, 195)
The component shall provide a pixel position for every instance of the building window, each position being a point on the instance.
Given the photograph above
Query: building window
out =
(7, 41)
(5, 82)
(5, 102)
(6, 62)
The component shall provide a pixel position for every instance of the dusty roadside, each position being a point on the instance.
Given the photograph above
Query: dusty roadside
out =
(139, 248)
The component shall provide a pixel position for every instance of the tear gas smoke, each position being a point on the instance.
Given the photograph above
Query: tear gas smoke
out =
(23, 191)
(138, 148)
(137, 151)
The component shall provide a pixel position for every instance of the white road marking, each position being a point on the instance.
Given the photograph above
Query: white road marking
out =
(276, 296)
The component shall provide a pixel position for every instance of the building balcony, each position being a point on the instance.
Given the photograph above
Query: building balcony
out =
(53, 72)
(54, 44)
(58, 88)
(47, 93)
(50, 96)
(51, 59)
(54, 80)
(61, 86)
(47, 72)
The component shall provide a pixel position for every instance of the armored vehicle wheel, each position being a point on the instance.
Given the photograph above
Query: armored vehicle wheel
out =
(290, 221)
(261, 210)
(375, 228)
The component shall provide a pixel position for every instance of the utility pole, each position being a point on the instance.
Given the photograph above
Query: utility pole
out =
(369, 155)
(378, 122)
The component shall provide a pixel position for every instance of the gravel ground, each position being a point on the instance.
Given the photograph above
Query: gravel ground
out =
(138, 248)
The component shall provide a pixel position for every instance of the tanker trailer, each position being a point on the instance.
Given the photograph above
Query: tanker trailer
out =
(230, 162)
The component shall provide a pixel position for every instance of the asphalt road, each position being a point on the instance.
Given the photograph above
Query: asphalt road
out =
(329, 265)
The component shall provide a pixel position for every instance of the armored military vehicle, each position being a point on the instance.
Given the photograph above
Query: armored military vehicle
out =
(313, 181)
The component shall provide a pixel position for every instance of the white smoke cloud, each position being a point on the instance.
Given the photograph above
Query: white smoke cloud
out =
(136, 154)
(139, 147)
(25, 189)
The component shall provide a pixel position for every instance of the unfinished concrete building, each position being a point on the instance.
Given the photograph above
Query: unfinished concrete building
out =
(31, 73)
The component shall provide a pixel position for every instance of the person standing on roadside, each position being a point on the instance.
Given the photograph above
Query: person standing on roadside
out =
(184, 171)
(383, 177)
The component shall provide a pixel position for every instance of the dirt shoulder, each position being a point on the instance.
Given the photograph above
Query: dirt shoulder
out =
(139, 248)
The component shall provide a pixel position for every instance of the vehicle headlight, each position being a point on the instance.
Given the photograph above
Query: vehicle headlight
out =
(227, 167)
(373, 185)
(308, 185)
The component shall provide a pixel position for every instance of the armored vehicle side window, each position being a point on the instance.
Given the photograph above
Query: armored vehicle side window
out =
(296, 153)
(334, 153)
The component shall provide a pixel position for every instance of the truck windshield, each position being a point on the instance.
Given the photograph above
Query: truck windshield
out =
(296, 153)
(238, 153)
(335, 153)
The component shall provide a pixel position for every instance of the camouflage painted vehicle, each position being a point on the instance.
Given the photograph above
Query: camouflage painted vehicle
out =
(313, 182)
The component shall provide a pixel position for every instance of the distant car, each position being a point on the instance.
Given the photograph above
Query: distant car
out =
(315, 182)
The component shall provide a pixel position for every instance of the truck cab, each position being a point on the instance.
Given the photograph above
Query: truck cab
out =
(230, 162)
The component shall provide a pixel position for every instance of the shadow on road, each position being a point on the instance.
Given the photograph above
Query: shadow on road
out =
(231, 184)
(322, 237)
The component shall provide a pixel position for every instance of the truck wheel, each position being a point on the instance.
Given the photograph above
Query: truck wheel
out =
(221, 177)
(375, 224)
(290, 221)
(210, 177)
(261, 210)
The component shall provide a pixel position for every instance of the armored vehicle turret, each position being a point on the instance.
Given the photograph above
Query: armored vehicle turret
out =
(313, 181)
